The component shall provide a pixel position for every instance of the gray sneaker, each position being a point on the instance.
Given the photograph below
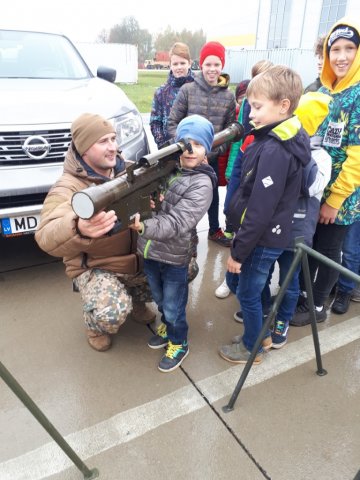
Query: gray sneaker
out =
(266, 343)
(355, 294)
(237, 353)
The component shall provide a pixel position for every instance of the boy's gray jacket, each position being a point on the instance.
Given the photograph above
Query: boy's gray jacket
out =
(315, 176)
(169, 236)
(216, 103)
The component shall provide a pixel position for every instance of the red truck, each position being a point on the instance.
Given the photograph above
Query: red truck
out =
(161, 60)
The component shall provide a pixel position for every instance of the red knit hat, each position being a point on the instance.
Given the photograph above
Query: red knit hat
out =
(212, 48)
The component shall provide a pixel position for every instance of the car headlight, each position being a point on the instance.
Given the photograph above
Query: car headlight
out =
(128, 127)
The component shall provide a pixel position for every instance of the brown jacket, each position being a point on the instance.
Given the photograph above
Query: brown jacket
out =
(57, 234)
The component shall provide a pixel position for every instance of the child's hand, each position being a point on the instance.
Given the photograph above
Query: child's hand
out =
(327, 214)
(152, 201)
(137, 225)
(233, 266)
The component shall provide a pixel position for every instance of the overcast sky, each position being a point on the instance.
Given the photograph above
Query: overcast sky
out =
(83, 20)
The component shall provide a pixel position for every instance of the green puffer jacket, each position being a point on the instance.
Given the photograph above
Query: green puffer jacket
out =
(216, 103)
(235, 147)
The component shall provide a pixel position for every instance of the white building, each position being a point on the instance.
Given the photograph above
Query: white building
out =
(284, 31)
(298, 23)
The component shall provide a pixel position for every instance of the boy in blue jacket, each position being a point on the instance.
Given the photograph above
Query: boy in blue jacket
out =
(264, 204)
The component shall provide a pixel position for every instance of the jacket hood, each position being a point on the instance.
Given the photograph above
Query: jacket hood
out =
(293, 138)
(327, 75)
(223, 81)
(75, 165)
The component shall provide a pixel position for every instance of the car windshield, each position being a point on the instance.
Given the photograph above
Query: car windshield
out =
(39, 55)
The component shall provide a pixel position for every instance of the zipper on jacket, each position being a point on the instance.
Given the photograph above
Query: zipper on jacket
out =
(84, 261)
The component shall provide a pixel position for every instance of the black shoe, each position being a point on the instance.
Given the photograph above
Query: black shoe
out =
(302, 316)
(341, 302)
(301, 300)
(219, 237)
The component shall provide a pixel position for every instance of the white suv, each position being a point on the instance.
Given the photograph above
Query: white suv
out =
(44, 85)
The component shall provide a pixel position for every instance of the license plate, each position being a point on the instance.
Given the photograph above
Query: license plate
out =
(14, 226)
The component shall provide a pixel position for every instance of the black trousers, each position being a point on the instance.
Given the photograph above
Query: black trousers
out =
(328, 241)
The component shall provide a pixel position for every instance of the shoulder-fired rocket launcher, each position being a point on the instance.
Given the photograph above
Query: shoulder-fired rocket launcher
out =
(130, 193)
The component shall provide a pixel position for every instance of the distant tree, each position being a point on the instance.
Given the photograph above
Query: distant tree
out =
(164, 41)
(144, 45)
(198, 40)
(195, 40)
(129, 31)
(103, 36)
(125, 32)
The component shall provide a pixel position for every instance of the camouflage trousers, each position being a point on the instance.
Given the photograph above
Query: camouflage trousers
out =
(108, 297)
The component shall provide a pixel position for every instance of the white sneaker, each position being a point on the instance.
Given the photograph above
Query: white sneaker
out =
(223, 290)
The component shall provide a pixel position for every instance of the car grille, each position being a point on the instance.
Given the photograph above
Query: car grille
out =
(13, 153)
(22, 200)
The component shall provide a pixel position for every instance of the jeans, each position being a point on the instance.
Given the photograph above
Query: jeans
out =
(350, 257)
(289, 301)
(328, 240)
(213, 212)
(169, 287)
(252, 279)
(232, 280)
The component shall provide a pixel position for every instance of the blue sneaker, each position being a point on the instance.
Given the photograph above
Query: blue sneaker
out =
(174, 356)
(279, 334)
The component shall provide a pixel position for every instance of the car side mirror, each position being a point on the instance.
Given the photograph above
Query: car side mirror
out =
(106, 73)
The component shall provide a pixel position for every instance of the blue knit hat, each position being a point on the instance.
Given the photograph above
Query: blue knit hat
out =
(196, 128)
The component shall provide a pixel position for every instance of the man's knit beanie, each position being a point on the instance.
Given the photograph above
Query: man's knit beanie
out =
(312, 110)
(198, 128)
(213, 48)
(87, 129)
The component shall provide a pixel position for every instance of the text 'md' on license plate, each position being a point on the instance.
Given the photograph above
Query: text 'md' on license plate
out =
(14, 226)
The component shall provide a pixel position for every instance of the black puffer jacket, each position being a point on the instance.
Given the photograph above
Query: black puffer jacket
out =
(216, 103)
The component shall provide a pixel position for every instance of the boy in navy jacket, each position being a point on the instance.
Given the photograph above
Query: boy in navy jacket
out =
(263, 206)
